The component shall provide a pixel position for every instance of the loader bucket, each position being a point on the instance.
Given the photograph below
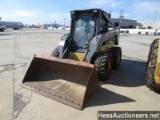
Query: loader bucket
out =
(68, 81)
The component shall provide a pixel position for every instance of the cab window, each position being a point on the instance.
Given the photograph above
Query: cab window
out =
(103, 25)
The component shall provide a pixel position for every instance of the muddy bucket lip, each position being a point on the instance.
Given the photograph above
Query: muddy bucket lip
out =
(53, 96)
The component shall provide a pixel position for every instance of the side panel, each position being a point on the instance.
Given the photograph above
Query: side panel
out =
(106, 46)
(92, 48)
(97, 43)
(107, 37)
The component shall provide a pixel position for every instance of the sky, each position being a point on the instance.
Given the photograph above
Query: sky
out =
(51, 11)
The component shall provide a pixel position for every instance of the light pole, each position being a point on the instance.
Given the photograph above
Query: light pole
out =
(64, 22)
(54, 23)
(121, 16)
(155, 17)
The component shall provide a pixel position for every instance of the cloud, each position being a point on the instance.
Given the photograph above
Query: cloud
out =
(25, 13)
(102, 3)
(25, 16)
(60, 16)
(146, 6)
(20, 13)
(144, 11)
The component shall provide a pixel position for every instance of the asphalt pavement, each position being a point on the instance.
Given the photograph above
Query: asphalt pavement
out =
(124, 90)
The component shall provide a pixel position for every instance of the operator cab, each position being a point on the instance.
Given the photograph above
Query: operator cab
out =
(83, 29)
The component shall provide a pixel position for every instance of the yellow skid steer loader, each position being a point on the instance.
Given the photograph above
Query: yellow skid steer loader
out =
(84, 56)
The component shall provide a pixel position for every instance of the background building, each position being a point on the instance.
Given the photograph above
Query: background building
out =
(125, 23)
(12, 24)
(151, 25)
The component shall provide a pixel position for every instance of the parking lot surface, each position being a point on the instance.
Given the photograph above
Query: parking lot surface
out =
(124, 91)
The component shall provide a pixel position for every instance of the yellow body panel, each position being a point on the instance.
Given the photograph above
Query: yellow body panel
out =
(106, 47)
(76, 56)
(157, 71)
(79, 56)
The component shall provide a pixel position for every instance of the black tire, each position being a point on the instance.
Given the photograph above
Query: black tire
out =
(103, 65)
(55, 52)
(116, 54)
(151, 66)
